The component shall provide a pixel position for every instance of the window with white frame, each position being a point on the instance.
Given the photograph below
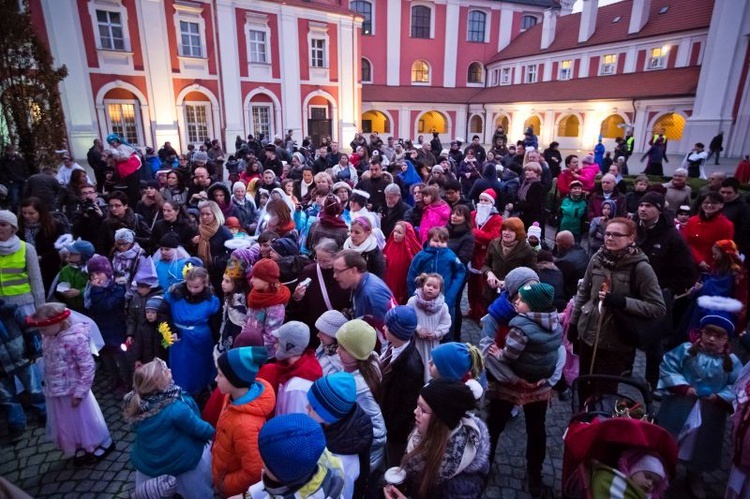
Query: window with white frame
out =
(495, 81)
(566, 70)
(318, 53)
(196, 121)
(123, 118)
(257, 46)
(111, 33)
(421, 22)
(505, 76)
(420, 72)
(476, 73)
(364, 9)
(190, 39)
(608, 65)
(528, 22)
(366, 71)
(476, 30)
(191, 30)
(530, 74)
(658, 57)
(261, 120)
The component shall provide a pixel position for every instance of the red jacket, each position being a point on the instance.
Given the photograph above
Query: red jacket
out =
(702, 234)
(483, 236)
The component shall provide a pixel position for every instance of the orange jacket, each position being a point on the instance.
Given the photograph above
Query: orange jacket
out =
(235, 458)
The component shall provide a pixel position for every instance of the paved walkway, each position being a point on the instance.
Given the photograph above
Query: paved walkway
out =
(38, 468)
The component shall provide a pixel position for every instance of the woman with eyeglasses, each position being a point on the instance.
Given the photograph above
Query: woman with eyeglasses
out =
(607, 287)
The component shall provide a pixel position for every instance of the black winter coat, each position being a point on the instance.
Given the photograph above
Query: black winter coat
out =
(461, 242)
(669, 255)
(399, 391)
(353, 436)
(185, 230)
(391, 216)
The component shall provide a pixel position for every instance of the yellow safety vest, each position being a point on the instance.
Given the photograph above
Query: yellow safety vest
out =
(14, 279)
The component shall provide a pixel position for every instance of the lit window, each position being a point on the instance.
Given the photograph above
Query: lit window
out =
(420, 21)
(111, 34)
(366, 71)
(191, 39)
(531, 74)
(505, 76)
(608, 65)
(196, 123)
(260, 120)
(658, 58)
(257, 46)
(477, 25)
(318, 53)
(476, 73)
(528, 22)
(122, 118)
(566, 70)
(364, 9)
(420, 72)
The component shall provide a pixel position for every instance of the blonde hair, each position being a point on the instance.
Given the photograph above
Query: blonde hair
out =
(423, 277)
(215, 210)
(198, 273)
(148, 378)
(477, 361)
(533, 166)
(51, 309)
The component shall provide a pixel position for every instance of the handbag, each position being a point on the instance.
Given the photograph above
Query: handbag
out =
(641, 332)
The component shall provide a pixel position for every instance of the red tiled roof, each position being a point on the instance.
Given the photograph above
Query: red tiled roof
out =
(664, 83)
(683, 15)
(650, 84)
(439, 95)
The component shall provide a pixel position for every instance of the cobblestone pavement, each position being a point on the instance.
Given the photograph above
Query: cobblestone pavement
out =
(39, 469)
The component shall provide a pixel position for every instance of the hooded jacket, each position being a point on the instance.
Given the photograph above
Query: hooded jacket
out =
(668, 254)
(441, 261)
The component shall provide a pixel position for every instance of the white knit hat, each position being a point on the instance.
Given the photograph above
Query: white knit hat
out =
(9, 217)
(330, 322)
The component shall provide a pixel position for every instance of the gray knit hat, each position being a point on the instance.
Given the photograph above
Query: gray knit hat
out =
(330, 322)
(517, 278)
(293, 339)
(9, 217)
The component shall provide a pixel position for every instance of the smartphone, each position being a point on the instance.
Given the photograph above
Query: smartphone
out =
(305, 283)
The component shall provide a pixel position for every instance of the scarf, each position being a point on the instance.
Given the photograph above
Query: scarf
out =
(306, 367)
(525, 186)
(331, 221)
(484, 212)
(459, 452)
(264, 299)
(429, 306)
(508, 247)
(204, 244)
(30, 233)
(10, 246)
(152, 403)
(226, 209)
(610, 259)
(368, 244)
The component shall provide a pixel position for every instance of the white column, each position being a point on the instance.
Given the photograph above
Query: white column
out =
(393, 41)
(348, 109)
(506, 27)
(461, 125)
(156, 55)
(585, 63)
(405, 125)
(451, 45)
(291, 100)
(76, 94)
(230, 72)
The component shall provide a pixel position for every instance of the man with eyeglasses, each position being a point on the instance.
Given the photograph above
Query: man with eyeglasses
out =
(370, 295)
(121, 216)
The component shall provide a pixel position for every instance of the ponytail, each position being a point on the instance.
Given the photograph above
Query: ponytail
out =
(477, 361)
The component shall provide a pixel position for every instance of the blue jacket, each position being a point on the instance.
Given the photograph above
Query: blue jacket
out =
(441, 261)
(171, 441)
(502, 309)
(106, 307)
(372, 297)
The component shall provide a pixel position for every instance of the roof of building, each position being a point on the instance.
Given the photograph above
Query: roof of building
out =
(684, 15)
(666, 83)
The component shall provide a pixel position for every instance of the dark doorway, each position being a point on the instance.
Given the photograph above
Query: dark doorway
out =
(318, 129)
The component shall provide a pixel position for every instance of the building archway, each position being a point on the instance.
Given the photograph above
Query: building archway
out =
(375, 121)
(672, 124)
(476, 125)
(535, 122)
(432, 121)
(503, 121)
(320, 113)
(197, 114)
(569, 126)
(262, 113)
(613, 126)
(123, 109)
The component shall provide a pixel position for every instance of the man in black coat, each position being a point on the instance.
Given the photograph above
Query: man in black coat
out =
(571, 259)
(394, 209)
(738, 211)
(94, 157)
(403, 378)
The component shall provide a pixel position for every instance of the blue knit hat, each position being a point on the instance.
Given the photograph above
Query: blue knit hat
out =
(401, 322)
(154, 303)
(452, 360)
(719, 311)
(332, 397)
(81, 247)
(240, 365)
(285, 247)
(290, 446)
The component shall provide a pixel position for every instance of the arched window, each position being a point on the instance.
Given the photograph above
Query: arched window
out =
(528, 21)
(420, 72)
(613, 126)
(364, 9)
(366, 71)
(672, 125)
(476, 73)
(475, 124)
(477, 24)
(420, 21)
(568, 126)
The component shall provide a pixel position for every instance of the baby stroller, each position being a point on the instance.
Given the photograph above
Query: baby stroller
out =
(603, 427)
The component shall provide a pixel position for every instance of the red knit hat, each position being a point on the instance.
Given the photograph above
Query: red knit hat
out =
(489, 192)
(266, 270)
(233, 223)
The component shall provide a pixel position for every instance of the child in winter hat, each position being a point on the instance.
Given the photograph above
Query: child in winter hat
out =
(74, 274)
(328, 325)
(459, 362)
(332, 397)
(534, 237)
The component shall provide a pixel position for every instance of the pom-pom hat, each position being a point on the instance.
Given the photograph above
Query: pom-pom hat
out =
(535, 231)
(489, 194)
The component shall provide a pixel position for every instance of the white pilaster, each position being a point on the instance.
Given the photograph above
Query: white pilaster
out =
(405, 128)
(631, 59)
(76, 94)
(506, 27)
(461, 126)
(230, 83)
(348, 89)
(584, 69)
(393, 42)
(451, 45)
(683, 52)
(547, 75)
(291, 102)
(156, 56)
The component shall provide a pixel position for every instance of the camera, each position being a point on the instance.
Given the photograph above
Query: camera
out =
(88, 206)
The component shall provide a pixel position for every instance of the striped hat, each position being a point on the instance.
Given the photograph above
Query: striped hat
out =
(332, 397)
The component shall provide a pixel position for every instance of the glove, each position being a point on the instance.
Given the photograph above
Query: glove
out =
(614, 301)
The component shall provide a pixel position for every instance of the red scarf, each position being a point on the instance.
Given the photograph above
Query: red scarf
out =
(264, 299)
(278, 373)
(398, 257)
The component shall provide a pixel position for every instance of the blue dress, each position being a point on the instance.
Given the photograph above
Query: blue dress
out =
(191, 358)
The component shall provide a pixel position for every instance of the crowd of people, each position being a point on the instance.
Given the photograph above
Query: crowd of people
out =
(288, 320)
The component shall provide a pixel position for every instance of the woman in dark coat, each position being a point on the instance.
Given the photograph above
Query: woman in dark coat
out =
(37, 227)
(322, 294)
(329, 224)
(212, 234)
(506, 253)
(174, 220)
(530, 204)
(461, 242)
